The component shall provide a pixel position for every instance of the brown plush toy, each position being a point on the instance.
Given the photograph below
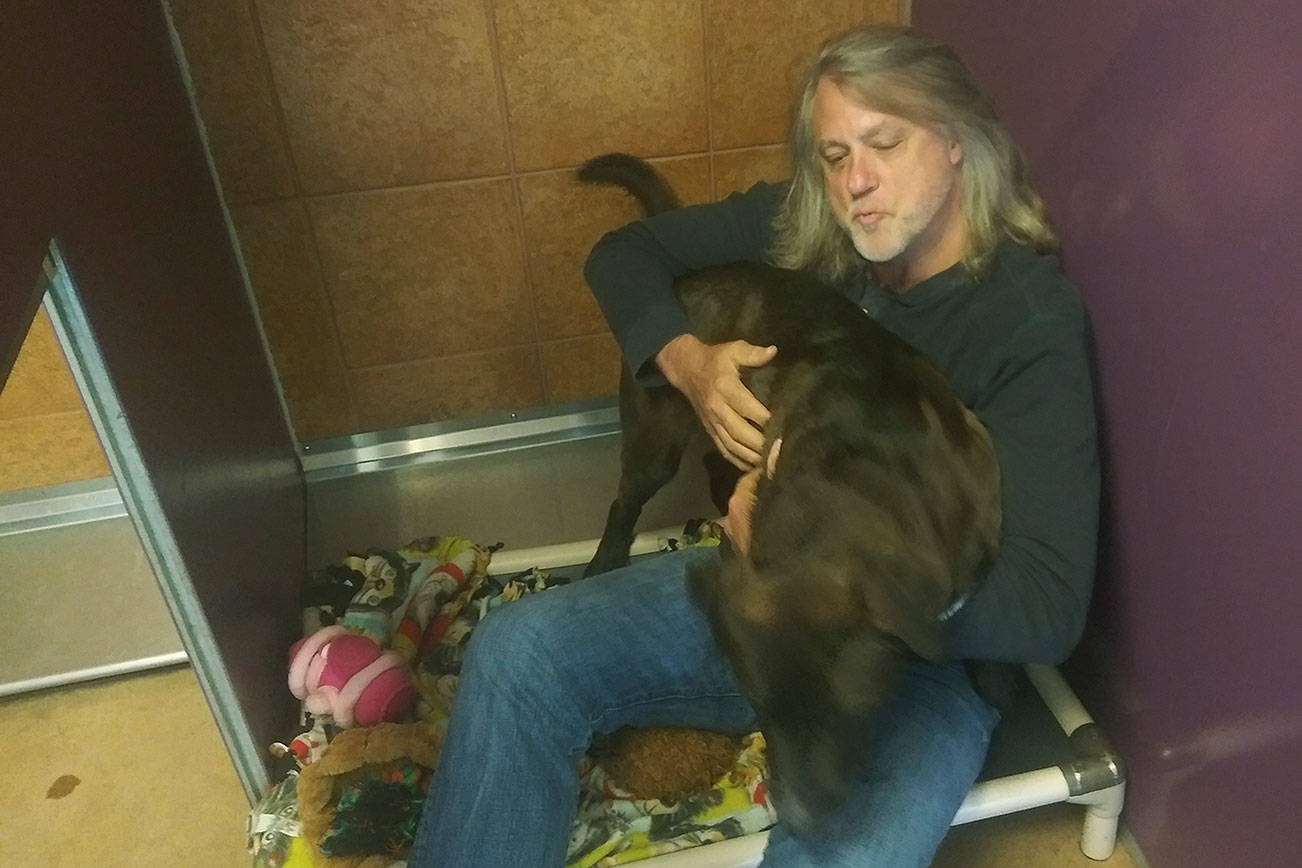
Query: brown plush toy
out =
(669, 763)
(665, 763)
(381, 772)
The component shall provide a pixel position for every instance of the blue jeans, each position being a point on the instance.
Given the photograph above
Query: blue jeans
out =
(545, 673)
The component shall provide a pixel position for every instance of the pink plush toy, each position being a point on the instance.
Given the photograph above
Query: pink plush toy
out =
(345, 675)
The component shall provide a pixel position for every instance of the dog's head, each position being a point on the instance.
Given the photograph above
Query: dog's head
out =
(814, 669)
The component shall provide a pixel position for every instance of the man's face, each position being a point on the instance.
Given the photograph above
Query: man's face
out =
(893, 184)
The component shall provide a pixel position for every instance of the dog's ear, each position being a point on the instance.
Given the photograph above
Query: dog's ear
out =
(815, 724)
(771, 463)
(900, 607)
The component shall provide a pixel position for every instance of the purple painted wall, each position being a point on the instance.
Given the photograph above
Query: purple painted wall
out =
(1165, 138)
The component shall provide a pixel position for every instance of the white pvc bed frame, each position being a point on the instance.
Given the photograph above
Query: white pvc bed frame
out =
(1091, 776)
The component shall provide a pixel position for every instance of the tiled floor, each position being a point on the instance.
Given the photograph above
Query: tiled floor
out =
(131, 772)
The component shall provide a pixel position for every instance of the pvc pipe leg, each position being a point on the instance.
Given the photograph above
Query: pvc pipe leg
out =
(1102, 814)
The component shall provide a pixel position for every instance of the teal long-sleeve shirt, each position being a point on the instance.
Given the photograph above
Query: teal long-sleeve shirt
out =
(1013, 345)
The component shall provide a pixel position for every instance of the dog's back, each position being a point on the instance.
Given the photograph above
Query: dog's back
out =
(883, 503)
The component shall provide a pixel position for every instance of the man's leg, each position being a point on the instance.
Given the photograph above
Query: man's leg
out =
(542, 675)
(923, 753)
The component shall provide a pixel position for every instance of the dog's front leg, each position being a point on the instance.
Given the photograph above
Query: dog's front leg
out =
(617, 538)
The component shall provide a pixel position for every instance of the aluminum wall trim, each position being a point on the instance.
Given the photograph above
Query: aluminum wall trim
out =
(72, 503)
(365, 453)
(35, 509)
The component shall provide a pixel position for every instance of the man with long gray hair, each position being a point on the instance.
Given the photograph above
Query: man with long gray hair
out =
(908, 197)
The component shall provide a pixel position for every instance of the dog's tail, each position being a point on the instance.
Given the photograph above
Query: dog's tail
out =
(634, 175)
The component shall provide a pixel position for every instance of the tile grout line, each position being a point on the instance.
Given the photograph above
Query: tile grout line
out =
(303, 199)
(707, 52)
(48, 414)
(514, 175)
(481, 351)
(269, 72)
(481, 179)
(517, 193)
(354, 413)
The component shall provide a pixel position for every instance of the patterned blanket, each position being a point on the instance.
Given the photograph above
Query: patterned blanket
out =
(438, 591)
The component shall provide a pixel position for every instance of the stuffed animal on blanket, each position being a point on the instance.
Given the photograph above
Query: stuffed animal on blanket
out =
(665, 763)
(346, 675)
(661, 762)
(360, 802)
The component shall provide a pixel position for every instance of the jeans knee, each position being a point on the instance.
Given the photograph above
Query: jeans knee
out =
(520, 650)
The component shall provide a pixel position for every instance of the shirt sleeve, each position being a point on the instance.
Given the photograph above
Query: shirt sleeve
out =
(631, 270)
(1030, 605)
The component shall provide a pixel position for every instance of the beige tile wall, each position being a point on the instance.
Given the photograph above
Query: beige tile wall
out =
(399, 174)
(46, 436)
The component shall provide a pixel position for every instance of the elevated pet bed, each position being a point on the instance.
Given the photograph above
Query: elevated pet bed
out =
(1047, 750)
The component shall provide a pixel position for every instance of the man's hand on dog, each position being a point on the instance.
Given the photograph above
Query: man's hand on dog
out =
(709, 375)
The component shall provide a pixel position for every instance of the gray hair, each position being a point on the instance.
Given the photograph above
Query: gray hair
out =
(901, 71)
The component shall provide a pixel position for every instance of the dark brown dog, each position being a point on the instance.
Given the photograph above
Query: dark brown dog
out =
(882, 505)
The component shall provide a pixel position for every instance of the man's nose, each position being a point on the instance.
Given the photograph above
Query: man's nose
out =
(862, 178)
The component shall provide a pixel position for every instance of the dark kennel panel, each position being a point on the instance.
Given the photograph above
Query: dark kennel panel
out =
(101, 153)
